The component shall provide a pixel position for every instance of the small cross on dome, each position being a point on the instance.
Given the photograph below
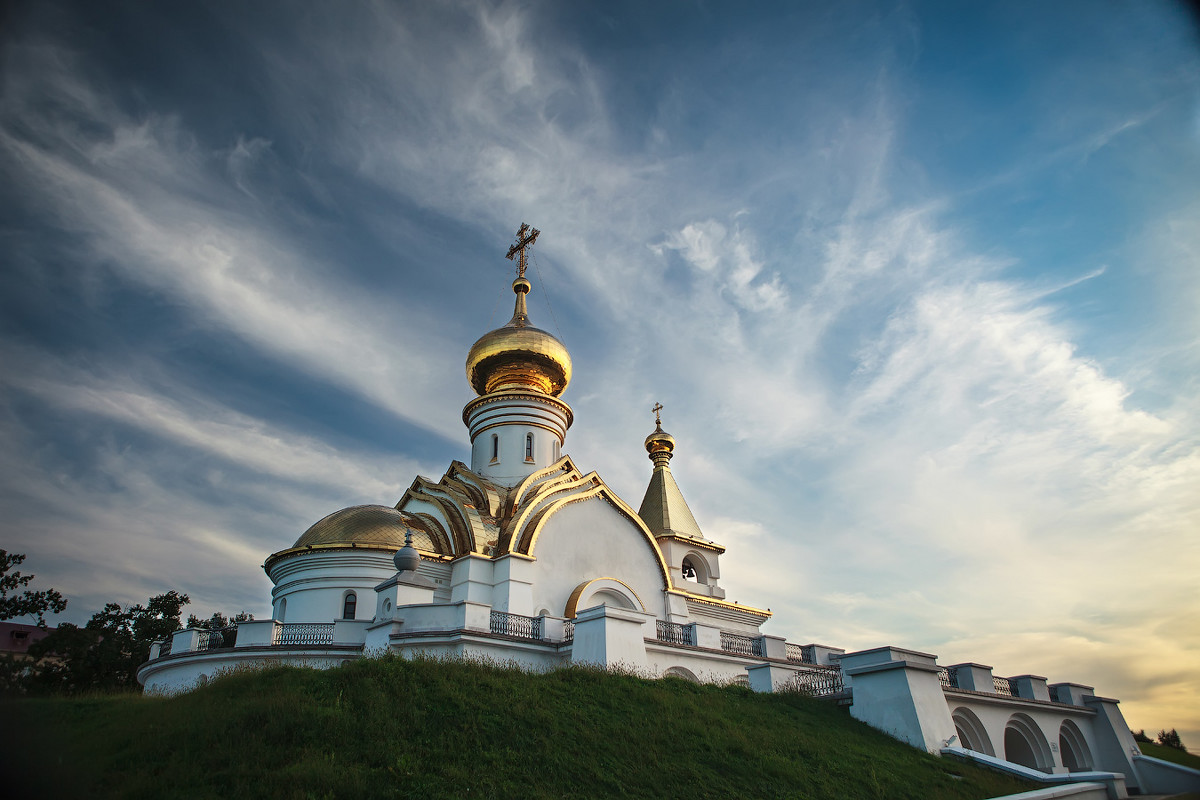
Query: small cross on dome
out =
(526, 236)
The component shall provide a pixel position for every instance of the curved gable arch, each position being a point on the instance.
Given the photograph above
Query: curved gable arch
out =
(529, 537)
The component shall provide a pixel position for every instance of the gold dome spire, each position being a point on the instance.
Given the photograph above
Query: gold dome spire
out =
(519, 356)
(660, 444)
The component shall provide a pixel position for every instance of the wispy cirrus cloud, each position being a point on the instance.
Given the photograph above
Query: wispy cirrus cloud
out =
(901, 433)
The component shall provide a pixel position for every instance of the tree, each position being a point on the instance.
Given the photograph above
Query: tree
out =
(218, 621)
(28, 603)
(1140, 736)
(1171, 739)
(106, 653)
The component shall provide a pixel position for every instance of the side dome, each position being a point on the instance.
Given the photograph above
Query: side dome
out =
(519, 356)
(367, 525)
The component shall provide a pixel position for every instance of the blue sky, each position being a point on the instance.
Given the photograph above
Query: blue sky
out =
(916, 283)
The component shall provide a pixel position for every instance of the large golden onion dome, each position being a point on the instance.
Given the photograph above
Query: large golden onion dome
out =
(519, 356)
(358, 525)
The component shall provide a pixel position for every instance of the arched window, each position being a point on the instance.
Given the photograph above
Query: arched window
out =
(529, 447)
(689, 570)
(495, 447)
(350, 605)
(282, 610)
(557, 451)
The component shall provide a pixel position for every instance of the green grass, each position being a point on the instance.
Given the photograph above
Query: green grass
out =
(1170, 754)
(394, 728)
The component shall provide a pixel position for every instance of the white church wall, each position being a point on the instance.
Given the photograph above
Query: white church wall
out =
(525, 435)
(588, 540)
(181, 675)
(707, 667)
(314, 585)
(723, 618)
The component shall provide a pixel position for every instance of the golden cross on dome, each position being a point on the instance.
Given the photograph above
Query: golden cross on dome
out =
(526, 236)
(657, 408)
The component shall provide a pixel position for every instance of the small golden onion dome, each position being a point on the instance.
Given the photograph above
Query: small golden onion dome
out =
(519, 356)
(660, 442)
(360, 525)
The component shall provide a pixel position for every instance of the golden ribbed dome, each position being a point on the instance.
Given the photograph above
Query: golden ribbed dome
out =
(519, 356)
(363, 525)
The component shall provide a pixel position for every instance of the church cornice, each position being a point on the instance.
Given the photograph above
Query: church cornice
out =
(691, 541)
(726, 604)
(510, 396)
(316, 549)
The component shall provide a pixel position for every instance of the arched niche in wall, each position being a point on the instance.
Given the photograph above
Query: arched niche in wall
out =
(681, 672)
(1076, 755)
(602, 591)
(1025, 744)
(972, 735)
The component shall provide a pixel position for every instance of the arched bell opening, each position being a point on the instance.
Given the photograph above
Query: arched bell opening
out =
(695, 568)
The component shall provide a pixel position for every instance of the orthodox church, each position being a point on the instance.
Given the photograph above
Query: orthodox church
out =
(523, 557)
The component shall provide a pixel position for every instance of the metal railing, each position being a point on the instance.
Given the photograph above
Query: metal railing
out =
(569, 631)
(220, 638)
(741, 645)
(1004, 686)
(164, 647)
(1054, 698)
(801, 654)
(949, 677)
(674, 633)
(819, 682)
(303, 633)
(516, 625)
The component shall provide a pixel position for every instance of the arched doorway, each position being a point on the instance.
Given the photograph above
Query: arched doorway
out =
(1024, 744)
(971, 733)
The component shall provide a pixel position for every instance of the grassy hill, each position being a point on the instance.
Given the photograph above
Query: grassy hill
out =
(393, 728)
(1170, 754)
